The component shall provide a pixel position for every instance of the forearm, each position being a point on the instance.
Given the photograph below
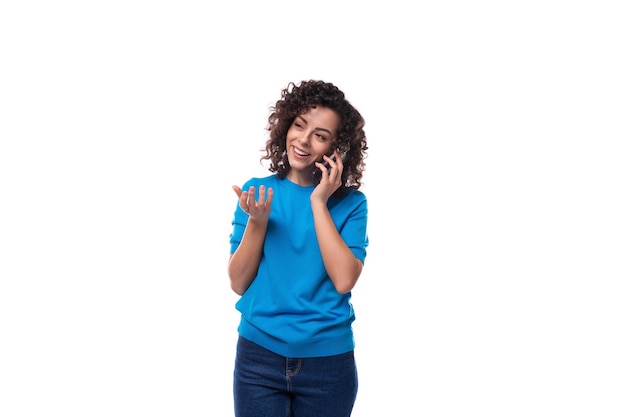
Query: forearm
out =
(342, 266)
(244, 263)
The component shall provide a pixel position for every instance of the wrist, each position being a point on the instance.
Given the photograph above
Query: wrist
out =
(256, 223)
(318, 204)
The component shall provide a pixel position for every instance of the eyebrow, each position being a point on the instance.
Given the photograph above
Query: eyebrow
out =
(317, 128)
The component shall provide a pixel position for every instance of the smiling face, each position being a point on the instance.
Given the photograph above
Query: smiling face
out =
(309, 138)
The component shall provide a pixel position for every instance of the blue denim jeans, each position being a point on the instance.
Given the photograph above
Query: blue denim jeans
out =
(269, 385)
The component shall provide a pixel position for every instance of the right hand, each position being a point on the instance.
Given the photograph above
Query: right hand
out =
(257, 210)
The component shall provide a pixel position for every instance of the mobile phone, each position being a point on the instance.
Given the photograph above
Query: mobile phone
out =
(317, 172)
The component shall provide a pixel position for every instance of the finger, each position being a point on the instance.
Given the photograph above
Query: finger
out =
(270, 197)
(332, 165)
(332, 162)
(243, 201)
(251, 194)
(338, 158)
(322, 166)
(261, 195)
(320, 172)
(237, 190)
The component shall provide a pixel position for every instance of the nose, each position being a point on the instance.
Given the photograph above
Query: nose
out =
(304, 138)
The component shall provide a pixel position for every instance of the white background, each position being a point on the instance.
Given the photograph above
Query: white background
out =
(495, 179)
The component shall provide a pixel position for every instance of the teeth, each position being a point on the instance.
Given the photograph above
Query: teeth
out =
(299, 152)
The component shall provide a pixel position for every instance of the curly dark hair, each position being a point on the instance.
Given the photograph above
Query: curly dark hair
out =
(296, 100)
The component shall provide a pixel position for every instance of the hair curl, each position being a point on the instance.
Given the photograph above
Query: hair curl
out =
(296, 100)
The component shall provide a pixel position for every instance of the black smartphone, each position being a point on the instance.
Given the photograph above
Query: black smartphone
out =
(317, 172)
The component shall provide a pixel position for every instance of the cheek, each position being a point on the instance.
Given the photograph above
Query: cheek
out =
(322, 149)
(290, 134)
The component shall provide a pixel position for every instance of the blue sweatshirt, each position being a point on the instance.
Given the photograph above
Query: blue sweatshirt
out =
(292, 307)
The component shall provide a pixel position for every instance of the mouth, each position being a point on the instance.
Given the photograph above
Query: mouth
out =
(299, 153)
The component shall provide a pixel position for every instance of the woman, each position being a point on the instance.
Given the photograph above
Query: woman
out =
(297, 249)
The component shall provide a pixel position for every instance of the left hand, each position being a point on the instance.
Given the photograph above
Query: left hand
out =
(331, 178)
